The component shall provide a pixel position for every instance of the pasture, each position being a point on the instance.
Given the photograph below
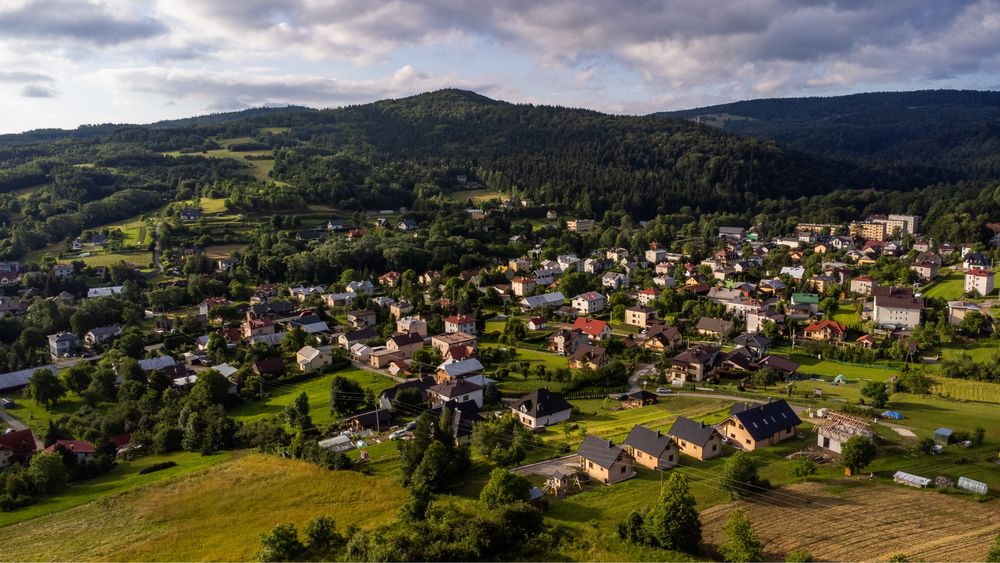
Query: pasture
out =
(479, 195)
(215, 514)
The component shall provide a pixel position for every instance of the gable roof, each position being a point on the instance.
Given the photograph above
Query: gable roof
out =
(454, 388)
(648, 441)
(421, 384)
(697, 433)
(601, 452)
(752, 339)
(825, 324)
(541, 402)
(764, 420)
(590, 327)
(711, 324)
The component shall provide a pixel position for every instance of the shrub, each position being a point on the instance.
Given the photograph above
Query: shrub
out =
(157, 467)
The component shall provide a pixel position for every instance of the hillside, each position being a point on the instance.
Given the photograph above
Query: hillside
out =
(949, 129)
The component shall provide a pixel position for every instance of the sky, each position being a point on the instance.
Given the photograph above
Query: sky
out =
(69, 62)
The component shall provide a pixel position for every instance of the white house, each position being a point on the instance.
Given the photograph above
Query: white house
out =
(313, 359)
(590, 302)
(541, 408)
(979, 280)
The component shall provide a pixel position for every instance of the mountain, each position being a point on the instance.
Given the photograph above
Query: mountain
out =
(955, 130)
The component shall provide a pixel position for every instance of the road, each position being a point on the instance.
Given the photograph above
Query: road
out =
(156, 246)
(18, 425)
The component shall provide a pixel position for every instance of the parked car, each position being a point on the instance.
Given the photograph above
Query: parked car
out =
(7, 403)
(664, 390)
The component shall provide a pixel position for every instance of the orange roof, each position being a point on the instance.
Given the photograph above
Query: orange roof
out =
(590, 327)
(834, 326)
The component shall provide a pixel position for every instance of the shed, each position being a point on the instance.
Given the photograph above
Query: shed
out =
(943, 435)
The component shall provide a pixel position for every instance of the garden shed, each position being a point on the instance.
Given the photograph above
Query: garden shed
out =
(943, 435)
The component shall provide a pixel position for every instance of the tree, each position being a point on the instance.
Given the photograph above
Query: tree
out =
(345, 395)
(434, 467)
(281, 544)
(503, 488)
(764, 377)
(877, 392)
(322, 539)
(77, 377)
(513, 331)
(805, 468)
(739, 476)
(297, 413)
(741, 543)
(993, 555)
(47, 473)
(857, 453)
(673, 522)
(799, 556)
(216, 347)
(503, 441)
(973, 323)
(418, 500)
(46, 388)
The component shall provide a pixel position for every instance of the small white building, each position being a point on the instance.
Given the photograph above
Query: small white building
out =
(979, 280)
(841, 428)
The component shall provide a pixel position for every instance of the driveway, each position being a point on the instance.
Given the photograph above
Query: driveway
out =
(18, 425)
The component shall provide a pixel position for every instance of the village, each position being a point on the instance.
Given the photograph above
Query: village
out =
(757, 342)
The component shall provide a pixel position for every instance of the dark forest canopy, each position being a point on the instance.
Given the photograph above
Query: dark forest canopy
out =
(948, 129)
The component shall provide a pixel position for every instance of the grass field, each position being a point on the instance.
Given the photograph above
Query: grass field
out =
(857, 521)
(212, 205)
(218, 251)
(949, 287)
(483, 194)
(34, 415)
(317, 388)
(966, 390)
(847, 316)
(122, 478)
(142, 259)
(216, 514)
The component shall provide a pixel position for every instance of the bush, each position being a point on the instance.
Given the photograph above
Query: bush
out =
(157, 467)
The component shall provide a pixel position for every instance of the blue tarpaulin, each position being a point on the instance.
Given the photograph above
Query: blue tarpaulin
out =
(895, 415)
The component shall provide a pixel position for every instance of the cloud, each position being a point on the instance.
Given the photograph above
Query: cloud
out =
(76, 20)
(23, 76)
(38, 91)
(227, 90)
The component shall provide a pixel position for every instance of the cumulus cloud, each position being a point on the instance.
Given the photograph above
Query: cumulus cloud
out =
(23, 76)
(38, 91)
(79, 20)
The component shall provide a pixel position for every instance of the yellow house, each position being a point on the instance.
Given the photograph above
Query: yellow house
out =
(604, 461)
(651, 449)
(763, 425)
(696, 439)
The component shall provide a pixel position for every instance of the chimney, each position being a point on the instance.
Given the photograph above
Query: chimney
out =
(702, 423)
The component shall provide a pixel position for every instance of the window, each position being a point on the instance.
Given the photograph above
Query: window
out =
(715, 447)
(623, 469)
(748, 440)
(670, 457)
(590, 464)
(741, 426)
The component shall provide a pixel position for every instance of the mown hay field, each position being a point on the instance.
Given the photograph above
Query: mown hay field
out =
(863, 522)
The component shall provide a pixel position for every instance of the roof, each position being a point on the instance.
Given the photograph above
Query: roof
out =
(372, 418)
(711, 324)
(159, 362)
(752, 339)
(589, 296)
(407, 338)
(599, 451)
(461, 367)
(454, 388)
(366, 333)
(105, 330)
(699, 354)
(779, 363)
(308, 353)
(460, 319)
(543, 300)
(421, 384)
(764, 420)
(75, 446)
(464, 415)
(805, 298)
(590, 327)
(21, 378)
(18, 441)
(541, 402)
(827, 324)
(648, 441)
(270, 365)
(697, 433)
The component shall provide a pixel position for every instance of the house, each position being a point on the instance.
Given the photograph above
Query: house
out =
(615, 281)
(82, 450)
(399, 309)
(388, 397)
(537, 323)
(360, 287)
(925, 270)
(546, 276)
(10, 273)
(444, 342)
(661, 337)
(257, 327)
(647, 296)
(269, 366)
(565, 341)
(604, 461)
(762, 425)
(651, 449)
(62, 271)
(16, 447)
(696, 439)
(390, 279)
(586, 355)
(825, 330)
(380, 357)
(353, 337)
(896, 307)
(732, 233)
(190, 214)
(464, 417)
(755, 343)
(975, 260)
(554, 299)
(822, 283)
(377, 420)
(206, 306)
(862, 285)
(523, 286)
(639, 316)
(164, 364)
(980, 281)
(459, 390)
(638, 399)
(339, 299)
(541, 408)
(943, 436)
(716, 328)
(412, 325)
(310, 323)
(407, 225)
(841, 428)
(405, 343)
(580, 225)
(693, 364)
(226, 264)
(958, 309)
(100, 335)
(460, 323)
(361, 318)
(63, 344)
(313, 359)
(469, 369)
(569, 263)
(589, 303)
(593, 328)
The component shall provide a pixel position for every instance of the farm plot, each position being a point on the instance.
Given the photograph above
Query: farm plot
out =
(861, 522)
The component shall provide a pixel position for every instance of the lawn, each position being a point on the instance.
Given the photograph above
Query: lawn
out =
(847, 316)
(216, 514)
(810, 364)
(142, 259)
(213, 205)
(980, 351)
(949, 287)
(967, 390)
(34, 415)
(483, 194)
(218, 251)
(317, 388)
(122, 478)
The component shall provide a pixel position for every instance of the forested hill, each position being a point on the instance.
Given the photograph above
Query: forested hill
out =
(579, 159)
(950, 129)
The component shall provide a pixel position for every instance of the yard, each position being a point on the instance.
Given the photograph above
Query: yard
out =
(948, 287)
(280, 395)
